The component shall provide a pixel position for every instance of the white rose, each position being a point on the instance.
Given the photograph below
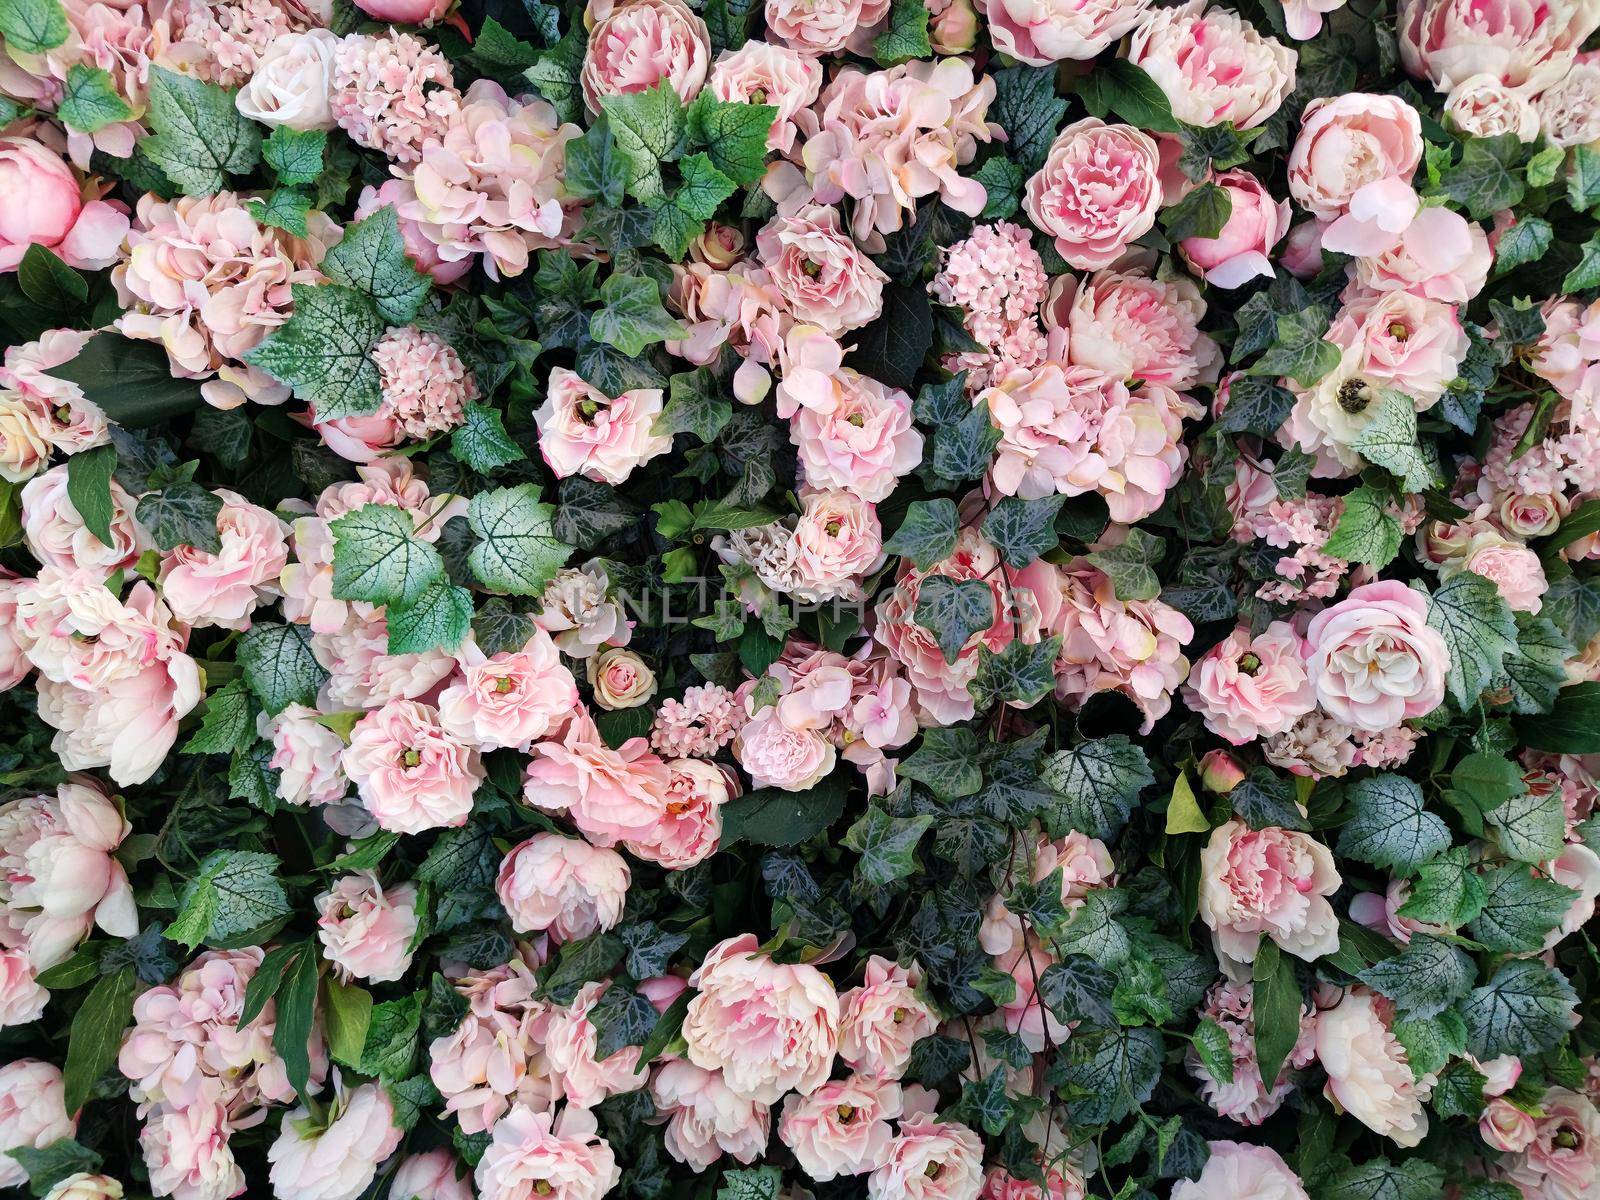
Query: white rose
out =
(290, 86)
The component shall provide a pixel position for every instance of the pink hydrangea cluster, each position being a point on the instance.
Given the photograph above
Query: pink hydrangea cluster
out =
(698, 724)
(426, 387)
(998, 281)
(223, 42)
(392, 92)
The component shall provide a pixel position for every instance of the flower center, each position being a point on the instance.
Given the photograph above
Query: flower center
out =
(933, 1170)
(587, 411)
(503, 685)
(833, 528)
(1249, 663)
(1354, 395)
(411, 757)
(1398, 331)
(847, 1113)
(900, 1016)
(811, 268)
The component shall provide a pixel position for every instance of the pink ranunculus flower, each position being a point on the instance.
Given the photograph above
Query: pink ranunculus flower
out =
(842, 1128)
(366, 930)
(42, 204)
(611, 795)
(306, 756)
(33, 1113)
(410, 773)
(819, 271)
(1040, 32)
(1482, 106)
(930, 1159)
(406, 12)
(1522, 43)
(1130, 325)
(338, 1162)
(1513, 568)
(705, 1117)
(837, 541)
(563, 886)
(1373, 660)
(691, 824)
(187, 1154)
(1239, 253)
(1097, 192)
(510, 699)
(431, 1175)
(564, 1157)
(1369, 1074)
(1213, 66)
(1440, 256)
(817, 27)
(636, 44)
(1238, 1171)
(1273, 882)
(763, 73)
(1247, 687)
(222, 589)
(883, 1018)
(768, 1027)
(778, 756)
(582, 431)
(56, 535)
(1563, 1160)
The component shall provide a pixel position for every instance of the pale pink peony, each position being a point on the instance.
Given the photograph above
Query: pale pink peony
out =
(1369, 1074)
(562, 885)
(1239, 253)
(292, 82)
(32, 1113)
(1046, 31)
(1247, 687)
(930, 1159)
(495, 1057)
(819, 271)
(431, 1175)
(1237, 1171)
(611, 795)
(579, 615)
(1246, 1098)
(842, 1128)
(1129, 325)
(1097, 191)
(338, 1162)
(1519, 42)
(571, 1045)
(222, 589)
(1513, 568)
(56, 535)
(410, 773)
(21, 998)
(1482, 106)
(81, 1185)
(367, 930)
(705, 1117)
(491, 183)
(187, 1154)
(635, 45)
(1440, 256)
(1373, 660)
(582, 431)
(42, 204)
(1351, 165)
(362, 672)
(25, 443)
(816, 27)
(778, 756)
(837, 541)
(768, 1027)
(1562, 1162)
(1269, 881)
(1213, 66)
(883, 1018)
(561, 1158)
(691, 824)
(510, 699)
(392, 92)
(762, 73)
(1085, 864)
(1569, 111)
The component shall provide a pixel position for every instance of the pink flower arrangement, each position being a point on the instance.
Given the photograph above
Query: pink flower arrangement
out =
(1097, 192)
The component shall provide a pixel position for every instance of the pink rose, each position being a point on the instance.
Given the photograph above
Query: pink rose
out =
(57, 536)
(222, 589)
(1039, 32)
(1267, 881)
(41, 204)
(777, 756)
(636, 44)
(837, 541)
(1369, 1075)
(1482, 106)
(930, 1159)
(1513, 568)
(819, 271)
(1237, 1171)
(611, 795)
(1220, 772)
(1519, 42)
(365, 930)
(952, 26)
(1373, 660)
(1097, 191)
(1256, 223)
(562, 885)
(1505, 1127)
(410, 773)
(761, 73)
(1351, 165)
(705, 1117)
(187, 1154)
(564, 1158)
(1131, 326)
(768, 1027)
(584, 431)
(292, 82)
(1247, 687)
(33, 1113)
(1440, 256)
(620, 679)
(821, 26)
(842, 1128)
(510, 699)
(338, 1162)
(883, 1018)
(1213, 66)
(432, 1175)
(691, 824)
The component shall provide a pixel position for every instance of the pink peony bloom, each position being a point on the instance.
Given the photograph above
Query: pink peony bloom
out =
(1482, 106)
(21, 998)
(1239, 253)
(562, 885)
(187, 1154)
(930, 1160)
(1267, 881)
(1246, 1098)
(1128, 325)
(691, 825)
(571, 1046)
(1247, 687)
(366, 930)
(223, 589)
(495, 1057)
(762, 73)
(611, 795)
(768, 1027)
(32, 1113)
(57, 536)
(837, 541)
(392, 92)
(1562, 1162)
(882, 1019)
(1369, 1074)
(582, 431)
(1513, 568)
(338, 1162)
(821, 274)
(778, 756)
(410, 773)
(508, 700)
(635, 45)
(41, 204)
(1040, 32)
(362, 672)
(1569, 111)
(1519, 42)
(705, 1117)
(563, 1158)
(816, 27)
(406, 12)
(1213, 66)
(1097, 192)
(1236, 1171)
(842, 1128)
(432, 1175)
(1373, 660)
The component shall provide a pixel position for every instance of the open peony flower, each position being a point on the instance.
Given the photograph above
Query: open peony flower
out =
(1273, 882)
(1369, 1074)
(883, 1019)
(842, 1128)
(32, 1113)
(1569, 111)
(636, 44)
(582, 431)
(1519, 42)
(509, 699)
(821, 274)
(58, 536)
(411, 774)
(930, 1159)
(562, 885)
(1246, 1098)
(1351, 165)
(1561, 1161)
(1097, 192)
(340, 1161)
(1482, 106)
(1247, 687)
(1372, 658)
(366, 930)
(1131, 326)
(1041, 33)
(432, 1175)
(822, 26)
(223, 588)
(1236, 1171)
(705, 1117)
(1213, 66)
(611, 795)
(561, 1158)
(187, 1154)
(761, 73)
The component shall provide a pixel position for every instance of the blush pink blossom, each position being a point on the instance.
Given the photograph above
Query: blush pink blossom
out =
(691, 824)
(406, 12)
(1040, 32)
(930, 1159)
(1247, 1098)
(816, 27)
(1236, 1171)
(57, 536)
(1213, 65)
(611, 795)
(842, 1128)
(837, 541)
(1239, 253)
(410, 773)
(634, 45)
(762, 73)
(620, 679)
(43, 204)
(822, 275)
(222, 589)
(21, 998)
(705, 1117)
(1440, 256)
(883, 1018)
(1482, 106)
(292, 82)
(1505, 1127)
(495, 1056)
(582, 431)
(776, 755)
(510, 699)
(187, 1154)
(1562, 1162)
(562, 1158)
(1247, 687)
(32, 1113)
(1273, 882)
(1513, 568)
(1132, 326)
(1097, 192)
(366, 930)
(392, 92)
(1569, 112)
(431, 1175)
(562, 885)
(571, 1046)
(1351, 165)
(339, 1161)
(1520, 42)
(1373, 660)
(1369, 1072)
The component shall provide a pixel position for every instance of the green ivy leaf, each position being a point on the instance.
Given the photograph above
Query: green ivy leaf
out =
(284, 208)
(232, 901)
(1299, 350)
(481, 440)
(1389, 440)
(649, 130)
(33, 26)
(438, 619)
(278, 665)
(631, 316)
(1021, 529)
(1099, 782)
(734, 135)
(905, 37)
(1488, 178)
(228, 723)
(182, 514)
(1446, 890)
(1021, 674)
(954, 611)
(1027, 107)
(1131, 565)
(1200, 214)
(1425, 978)
(887, 845)
(696, 405)
(295, 155)
(1367, 531)
(518, 552)
(946, 762)
(1519, 909)
(773, 817)
(927, 534)
(199, 137)
(1525, 242)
